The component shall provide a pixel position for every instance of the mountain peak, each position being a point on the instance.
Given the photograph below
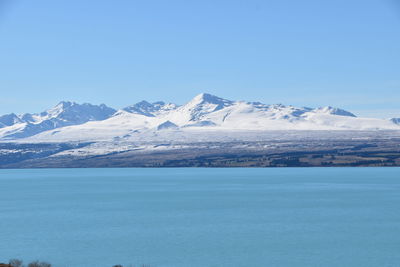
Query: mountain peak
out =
(65, 113)
(205, 98)
(208, 98)
(65, 104)
(335, 111)
(9, 119)
(149, 109)
(203, 104)
(143, 103)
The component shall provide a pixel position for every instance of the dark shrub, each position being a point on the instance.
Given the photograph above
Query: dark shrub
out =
(39, 264)
(16, 263)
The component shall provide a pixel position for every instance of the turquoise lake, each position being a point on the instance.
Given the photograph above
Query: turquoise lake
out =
(283, 217)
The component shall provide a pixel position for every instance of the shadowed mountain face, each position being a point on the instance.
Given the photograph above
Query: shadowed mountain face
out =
(396, 120)
(150, 109)
(167, 125)
(9, 119)
(204, 112)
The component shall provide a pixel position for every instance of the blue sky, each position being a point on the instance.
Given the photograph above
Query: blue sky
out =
(304, 53)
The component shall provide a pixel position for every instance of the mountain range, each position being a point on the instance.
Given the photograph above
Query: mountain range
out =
(69, 121)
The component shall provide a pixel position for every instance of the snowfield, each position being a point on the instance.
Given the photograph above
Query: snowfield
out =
(204, 118)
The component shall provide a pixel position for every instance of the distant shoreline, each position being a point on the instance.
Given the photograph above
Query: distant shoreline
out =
(283, 153)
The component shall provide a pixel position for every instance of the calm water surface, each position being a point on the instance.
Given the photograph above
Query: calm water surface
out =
(303, 217)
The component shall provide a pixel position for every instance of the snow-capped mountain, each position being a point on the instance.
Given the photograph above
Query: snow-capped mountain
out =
(204, 113)
(63, 114)
(9, 119)
(335, 111)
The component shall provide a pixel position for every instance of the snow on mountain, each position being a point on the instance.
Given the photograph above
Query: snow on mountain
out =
(8, 120)
(202, 105)
(63, 114)
(204, 113)
(395, 120)
(334, 111)
(197, 109)
(150, 109)
(167, 125)
(78, 113)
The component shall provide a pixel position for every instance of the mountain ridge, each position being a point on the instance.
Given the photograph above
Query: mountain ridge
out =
(70, 120)
(65, 113)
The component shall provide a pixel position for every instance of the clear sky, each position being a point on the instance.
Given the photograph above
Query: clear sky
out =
(344, 53)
